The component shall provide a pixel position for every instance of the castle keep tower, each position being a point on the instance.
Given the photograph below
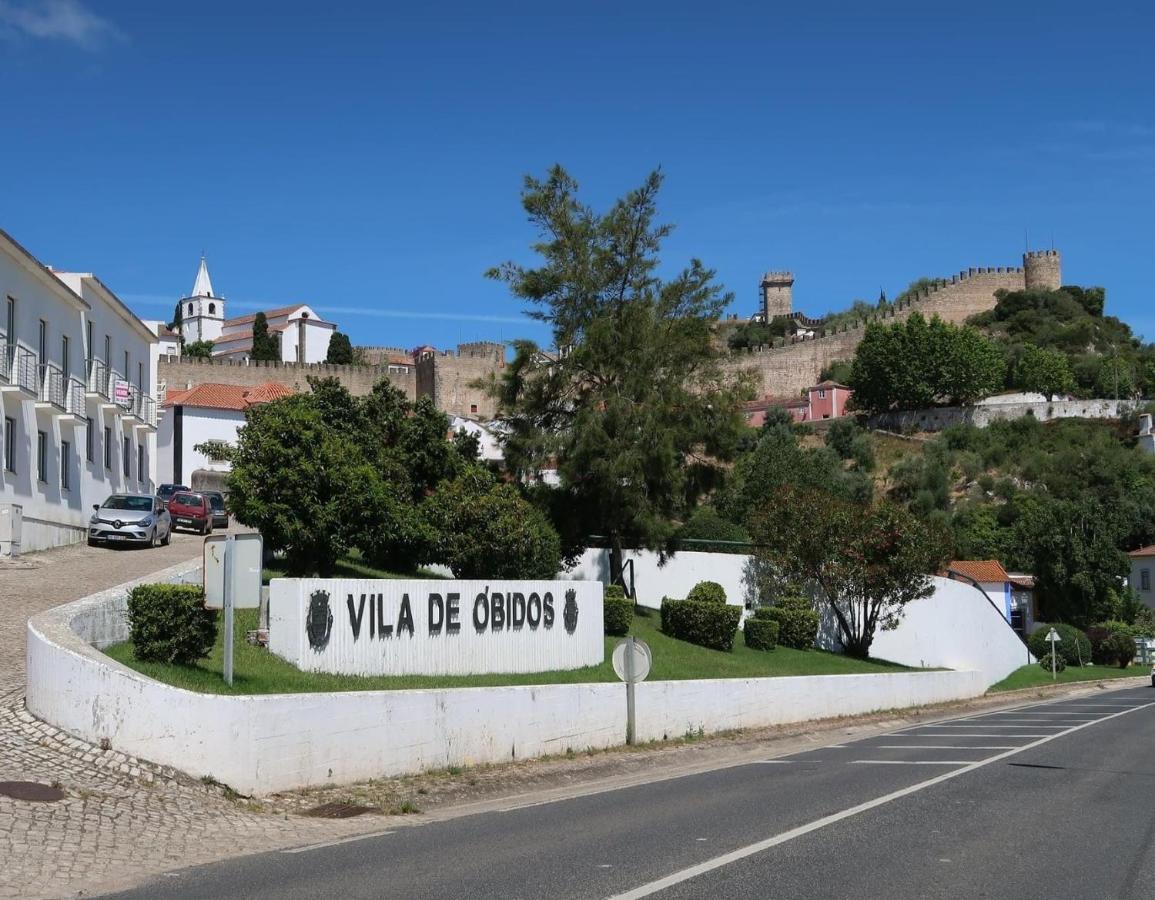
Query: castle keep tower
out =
(1042, 270)
(777, 294)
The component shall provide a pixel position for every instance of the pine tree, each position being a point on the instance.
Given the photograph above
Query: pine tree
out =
(340, 350)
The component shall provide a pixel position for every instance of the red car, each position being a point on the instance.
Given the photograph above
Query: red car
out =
(191, 511)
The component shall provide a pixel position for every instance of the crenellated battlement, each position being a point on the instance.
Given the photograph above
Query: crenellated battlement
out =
(789, 364)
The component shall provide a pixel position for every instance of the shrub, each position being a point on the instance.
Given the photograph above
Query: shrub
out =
(1119, 649)
(1073, 646)
(797, 621)
(1045, 663)
(761, 634)
(618, 610)
(168, 623)
(704, 623)
(707, 592)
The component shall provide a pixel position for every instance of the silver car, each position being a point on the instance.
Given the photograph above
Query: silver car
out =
(130, 519)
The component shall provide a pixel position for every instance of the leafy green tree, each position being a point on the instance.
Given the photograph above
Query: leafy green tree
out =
(486, 530)
(705, 526)
(301, 483)
(846, 438)
(838, 371)
(177, 318)
(340, 351)
(1046, 372)
(915, 364)
(265, 347)
(778, 460)
(198, 350)
(862, 562)
(1116, 378)
(634, 407)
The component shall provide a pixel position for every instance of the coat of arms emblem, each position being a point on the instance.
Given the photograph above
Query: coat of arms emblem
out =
(570, 612)
(319, 620)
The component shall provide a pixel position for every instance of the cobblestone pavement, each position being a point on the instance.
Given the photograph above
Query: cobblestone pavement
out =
(122, 819)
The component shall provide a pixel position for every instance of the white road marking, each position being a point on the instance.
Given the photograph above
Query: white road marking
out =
(733, 856)
(1000, 725)
(912, 762)
(936, 747)
(346, 840)
(966, 734)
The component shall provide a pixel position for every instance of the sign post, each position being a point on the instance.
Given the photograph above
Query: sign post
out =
(232, 581)
(632, 660)
(230, 544)
(1053, 637)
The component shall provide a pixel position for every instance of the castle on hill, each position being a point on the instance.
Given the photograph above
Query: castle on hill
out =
(302, 335)
(793, 364)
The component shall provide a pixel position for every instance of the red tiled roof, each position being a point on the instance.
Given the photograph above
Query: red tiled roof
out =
(981, 570)
(269, 314)
(230, 337)
(227, 396)
(830, 385)
(1143, 551)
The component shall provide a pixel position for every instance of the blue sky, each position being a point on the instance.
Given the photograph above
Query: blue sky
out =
(367, 158)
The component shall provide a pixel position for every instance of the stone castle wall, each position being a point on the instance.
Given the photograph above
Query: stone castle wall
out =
(790, 368)
(451, 379)
(179, 372)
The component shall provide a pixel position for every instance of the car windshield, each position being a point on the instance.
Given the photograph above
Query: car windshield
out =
(167, 490)
(216, 501)
(187, 500)
(137, 504)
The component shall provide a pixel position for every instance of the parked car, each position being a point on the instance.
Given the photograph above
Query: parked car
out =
(191, 511)
(165, 491)
(220, 510)
(130, 519)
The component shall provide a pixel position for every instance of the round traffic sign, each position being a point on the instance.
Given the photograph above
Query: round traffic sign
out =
(639, 656)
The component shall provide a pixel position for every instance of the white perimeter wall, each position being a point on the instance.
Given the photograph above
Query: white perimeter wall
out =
(263, 744)
(654, 580)
(954, 628)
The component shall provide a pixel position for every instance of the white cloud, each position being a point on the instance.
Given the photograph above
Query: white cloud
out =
(58, 20)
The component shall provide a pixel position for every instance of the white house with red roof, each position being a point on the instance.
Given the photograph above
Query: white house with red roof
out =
(1013, 595)
(1142, 566)
(303, 336)
(207, 412)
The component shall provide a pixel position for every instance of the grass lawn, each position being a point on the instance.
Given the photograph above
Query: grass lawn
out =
(1034, 676)
(256, 671)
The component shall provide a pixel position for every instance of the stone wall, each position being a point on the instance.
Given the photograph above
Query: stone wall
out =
(178, 373)
(451, 379)
(981, 416)
(790, 368)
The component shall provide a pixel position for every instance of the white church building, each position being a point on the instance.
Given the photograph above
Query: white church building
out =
(301, 334)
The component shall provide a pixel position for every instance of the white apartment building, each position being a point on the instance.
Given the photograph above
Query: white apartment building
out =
(78, 418)
(301, 334)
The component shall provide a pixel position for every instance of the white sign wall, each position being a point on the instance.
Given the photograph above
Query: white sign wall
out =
(428, 627)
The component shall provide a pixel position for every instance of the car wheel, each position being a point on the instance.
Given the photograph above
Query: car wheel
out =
(152, 541)
(167, 537)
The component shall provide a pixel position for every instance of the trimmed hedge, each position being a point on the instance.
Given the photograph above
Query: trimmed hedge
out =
(1045, 663)
(1073, 646)
(1119, 649)
(168, 623)
(618, 610)
(707, 592)
(1098, 634)
(797, 621)
(761, 634)
(704, 623)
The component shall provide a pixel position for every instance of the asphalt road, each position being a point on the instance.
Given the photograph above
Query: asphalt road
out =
(1054, 800)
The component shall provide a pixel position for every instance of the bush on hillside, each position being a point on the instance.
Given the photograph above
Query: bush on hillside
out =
(704, 623)
(797, 621)
(1119, 649)
(761, 634)
(168, 623)
(1045, 663)
(707, 592)
(1098, 635)
(618, 610)
(1073, 645)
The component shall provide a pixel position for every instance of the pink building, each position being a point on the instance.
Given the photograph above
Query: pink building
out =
(823, 401)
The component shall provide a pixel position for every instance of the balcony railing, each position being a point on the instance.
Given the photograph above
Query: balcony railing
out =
(51, 385)
(98, 378)
(18, 367)
(74, 397)
(144, 408)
